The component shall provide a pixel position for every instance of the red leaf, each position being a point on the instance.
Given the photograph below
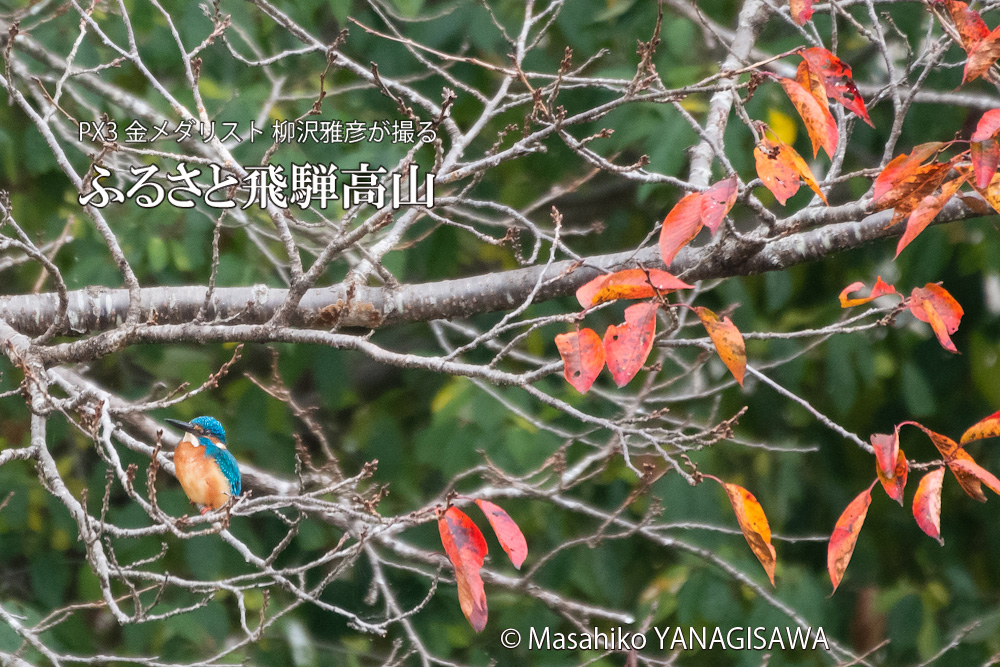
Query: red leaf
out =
(984, 428)
(927, 504)
(899, 171)
(753, 522)
(680, 226)
(727, 339)
(627, 345)
(982, 56)
(802, 11)
(582, 353)
(934, 305)
(881, 289)
(820, 124)
(985, 158)
(466, 548)
(628, 284)
(845, 536)
(717, 201)
(988, 126)
(509, 535)
(837, 78)
(928, 208)
(780, 167)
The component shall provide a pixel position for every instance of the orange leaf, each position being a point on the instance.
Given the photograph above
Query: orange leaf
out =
(466, 548)
(509, 535)
(901, 170)
(934, 305)
(728, 341)
(984, 428)
(970, 468)
(881, 289)
(985, 158)
(627, 345)
(837, 79)
(582, 353)
(845, 536)
(963, 467)
(927, 504)
(802, 11)
(929, 207)
(813, 82)
(753, 522)
(717, 201)
(780, 167)
(988, 126)
(806, 173)
(682, 224)
(820, 124)
(894, 483)
(968, 23)
(628, 284)
(982, 56)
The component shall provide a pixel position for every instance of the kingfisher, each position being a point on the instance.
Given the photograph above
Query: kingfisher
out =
(208, 473)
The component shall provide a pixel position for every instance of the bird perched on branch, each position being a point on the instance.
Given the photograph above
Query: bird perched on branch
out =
(208, 473)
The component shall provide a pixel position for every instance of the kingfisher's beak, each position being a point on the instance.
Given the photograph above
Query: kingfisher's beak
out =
(184, 426)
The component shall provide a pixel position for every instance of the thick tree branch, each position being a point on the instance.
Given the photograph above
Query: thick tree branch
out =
(373, 307)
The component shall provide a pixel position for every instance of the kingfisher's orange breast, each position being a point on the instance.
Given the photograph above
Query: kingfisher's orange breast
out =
(199, 475)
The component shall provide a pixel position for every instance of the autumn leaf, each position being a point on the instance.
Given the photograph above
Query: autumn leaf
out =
(985, 156)
(969, 468)
(928, 208)
(727, 339)
(819, 122)
(886, 446)
(801, 11)
(900, 176)
(987, 127)
(837, 80)
(845, 536)
(627, 345)
(969, 24)
(984, 428)
(780, 167)
(813, 82)
(682, 224)
(934, 305)
(960, 463)
(508, 534)
(628, 284)
(880, 289)
(991, 193)
(927, 504)
(753, 522)
(983, 55)
(466, 548)
(582, 353)
(895, 483)
(717, 201)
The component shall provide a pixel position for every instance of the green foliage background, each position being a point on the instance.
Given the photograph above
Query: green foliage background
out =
(425, 428)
